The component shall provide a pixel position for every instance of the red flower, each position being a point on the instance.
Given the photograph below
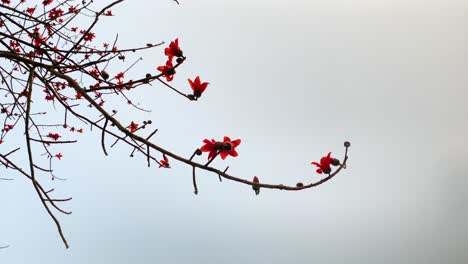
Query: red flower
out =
(54, 136)
(173, 50)
(30, 10)
(59, 156)
(73, 10)
(197, 86)
(88, 36)
(255, 187)
(8, 127)
(324, 165)
(14, 44)
(209, 147)
(164, 162)
(38, 39)
(229, 147)
(24, 93)
(108, 13)
(47, 2)
(225, 148)
(120, 77)
(167, 71)
(55, 13)
(94, 72)
(133, 127)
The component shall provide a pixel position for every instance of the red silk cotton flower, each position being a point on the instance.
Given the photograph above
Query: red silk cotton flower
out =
(133, 127)
(59, 156)
(324, 165)
(197, 86)
(164, 162)
(209, 147)
(225, 148)
(167, 70)
(229, 147)
(54, 136)
(173, 50)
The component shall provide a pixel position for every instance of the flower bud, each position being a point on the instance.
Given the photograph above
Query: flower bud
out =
(178, 53)
(347, 144)
(335, 162)
(104, 75)
(198, 152)
(147, 78)
(299, 184)
(179, 60)
(255, 186)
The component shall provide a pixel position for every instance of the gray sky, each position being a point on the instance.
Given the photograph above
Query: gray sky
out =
(293, 79)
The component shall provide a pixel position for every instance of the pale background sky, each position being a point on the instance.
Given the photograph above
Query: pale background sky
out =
(293, 79)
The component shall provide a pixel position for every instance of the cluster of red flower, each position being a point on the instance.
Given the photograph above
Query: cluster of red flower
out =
(168, 70)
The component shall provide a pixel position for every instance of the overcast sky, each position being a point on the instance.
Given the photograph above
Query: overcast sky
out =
(293, 79)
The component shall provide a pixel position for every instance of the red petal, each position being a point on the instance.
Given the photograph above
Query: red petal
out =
(191, 84)
(203, 86)
(197, 81)
(233, 153)
(212, 154)
(226, 139)
(206, 148)
(224, 154)
(236, 143)
(207, 141)
(319, 171)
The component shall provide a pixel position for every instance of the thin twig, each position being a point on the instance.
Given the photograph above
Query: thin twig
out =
(194, 180)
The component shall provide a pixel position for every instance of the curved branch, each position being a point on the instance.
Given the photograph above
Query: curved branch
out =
(144, 141)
